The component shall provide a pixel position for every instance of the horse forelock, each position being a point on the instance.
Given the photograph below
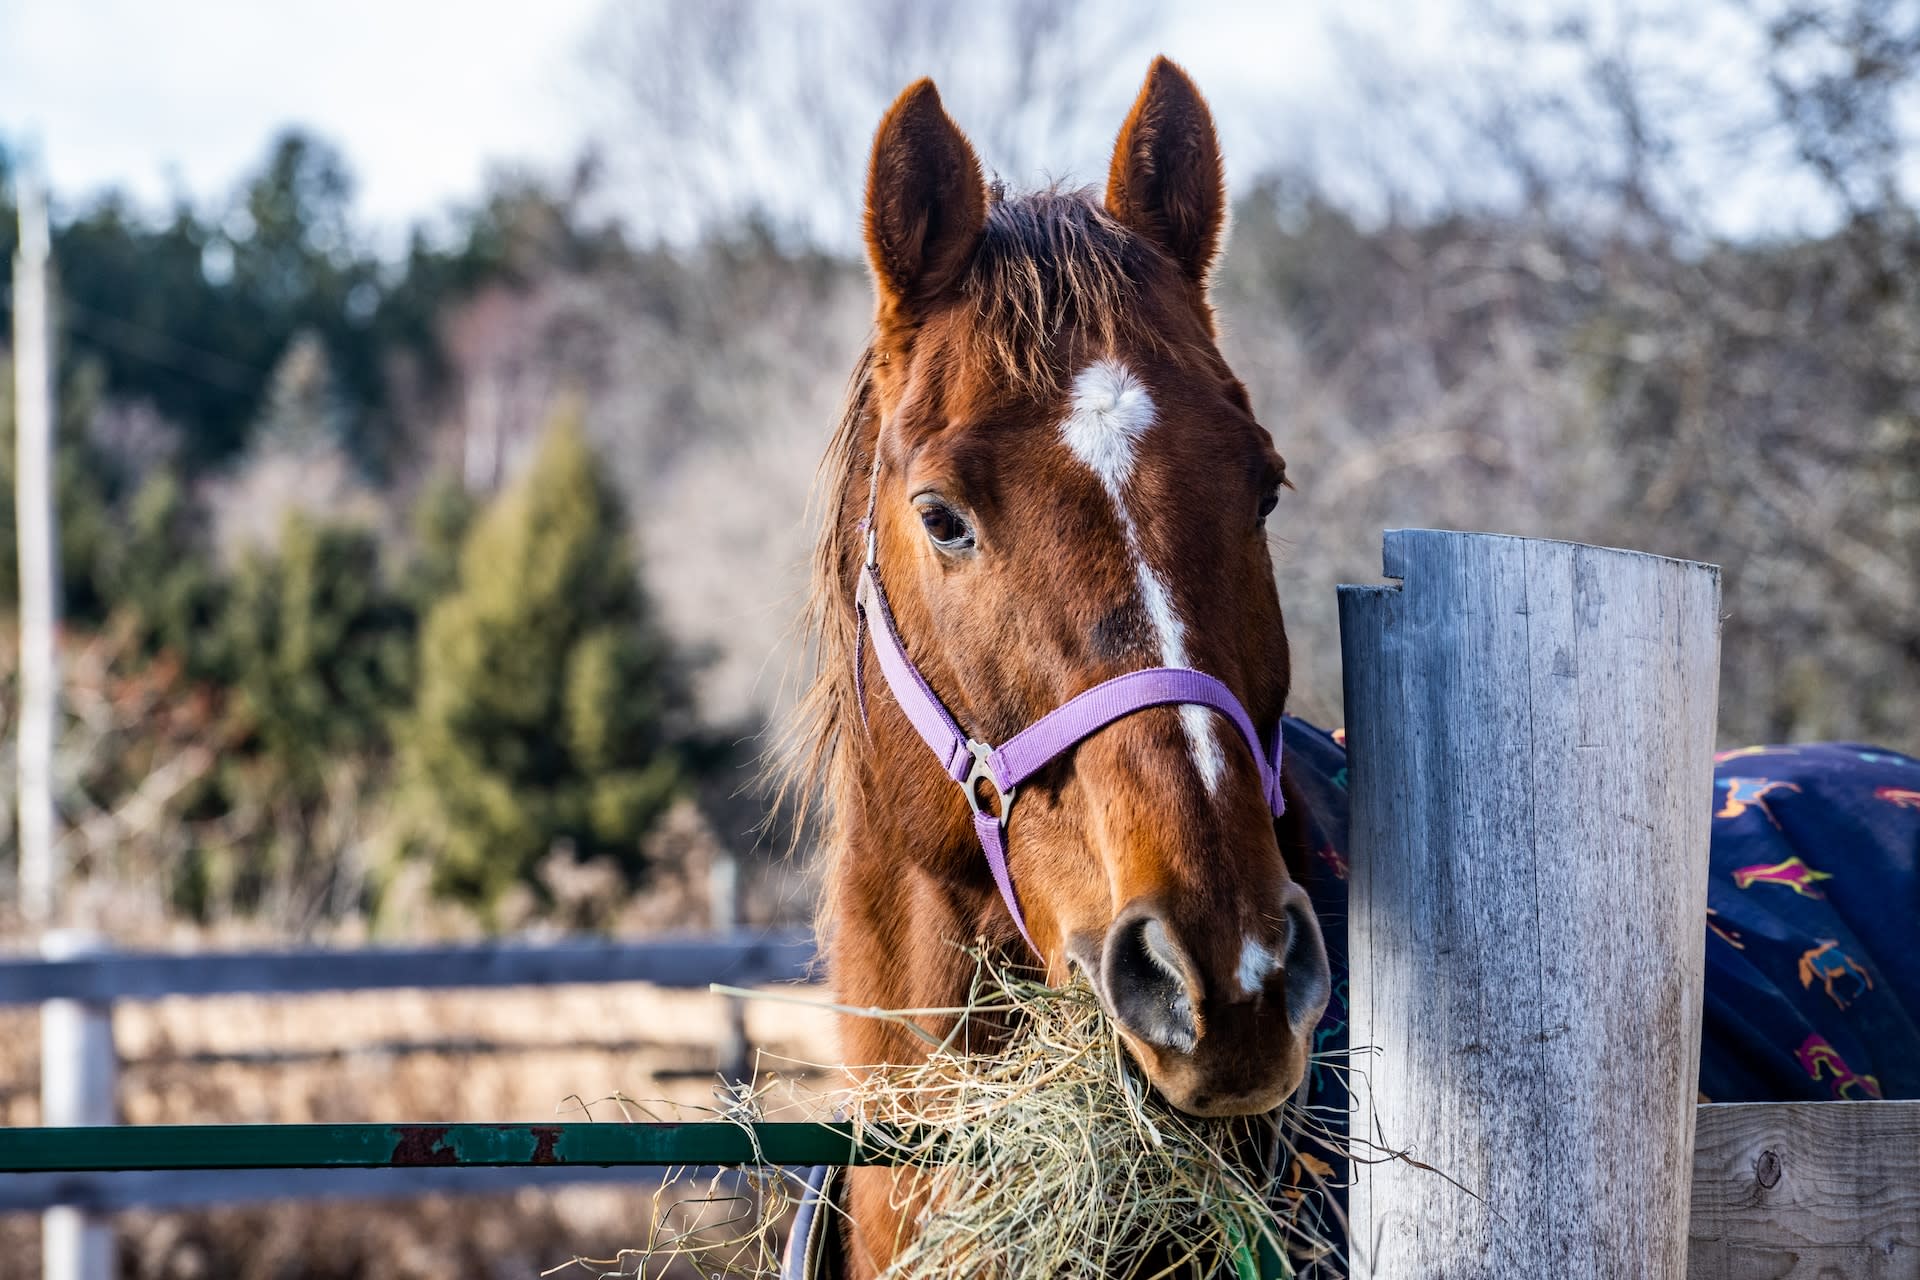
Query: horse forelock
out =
(1054, 263)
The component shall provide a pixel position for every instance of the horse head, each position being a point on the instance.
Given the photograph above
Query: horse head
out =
(1058, 481)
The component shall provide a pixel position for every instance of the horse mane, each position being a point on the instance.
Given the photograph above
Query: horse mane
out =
(1049, 263)
(808, 765)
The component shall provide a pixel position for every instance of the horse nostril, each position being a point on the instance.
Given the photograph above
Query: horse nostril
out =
(1309, 983)
(1149, 982)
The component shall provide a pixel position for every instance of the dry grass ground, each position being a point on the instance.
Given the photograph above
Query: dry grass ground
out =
(508, 1055)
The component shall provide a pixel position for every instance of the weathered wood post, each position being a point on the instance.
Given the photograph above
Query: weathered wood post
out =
(1531, 728)
(78, 1067)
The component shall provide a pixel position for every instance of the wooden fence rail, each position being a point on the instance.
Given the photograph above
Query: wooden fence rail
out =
(1806, 1191)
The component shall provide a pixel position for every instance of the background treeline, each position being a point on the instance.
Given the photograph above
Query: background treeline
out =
(458, 578)
(303, 656)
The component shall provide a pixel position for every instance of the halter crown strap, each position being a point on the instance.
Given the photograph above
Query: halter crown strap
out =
(970, 762)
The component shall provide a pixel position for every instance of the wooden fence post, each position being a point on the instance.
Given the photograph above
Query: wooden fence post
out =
(77, 1075)
(1531, 728)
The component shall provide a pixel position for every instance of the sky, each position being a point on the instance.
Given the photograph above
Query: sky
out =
(423, 96)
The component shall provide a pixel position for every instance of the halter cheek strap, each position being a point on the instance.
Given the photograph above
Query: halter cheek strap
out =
(971, 762)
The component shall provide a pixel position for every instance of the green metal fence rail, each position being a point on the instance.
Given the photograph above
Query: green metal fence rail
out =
(222, 1147)
(191, 1147)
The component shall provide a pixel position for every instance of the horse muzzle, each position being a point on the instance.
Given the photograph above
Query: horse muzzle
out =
(1220, 1026)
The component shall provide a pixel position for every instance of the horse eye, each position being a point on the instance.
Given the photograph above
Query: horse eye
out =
(1268, 502)
(944, 525)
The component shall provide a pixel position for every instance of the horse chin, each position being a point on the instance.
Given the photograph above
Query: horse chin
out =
(1190, 1087)
(1222, 1108)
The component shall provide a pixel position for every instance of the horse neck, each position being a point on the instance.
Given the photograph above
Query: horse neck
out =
(909, 892)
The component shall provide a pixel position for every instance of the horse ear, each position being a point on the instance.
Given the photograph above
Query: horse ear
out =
(1166, 182)
(926, 202)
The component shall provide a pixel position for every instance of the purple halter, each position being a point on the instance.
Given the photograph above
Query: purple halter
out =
(969, 761)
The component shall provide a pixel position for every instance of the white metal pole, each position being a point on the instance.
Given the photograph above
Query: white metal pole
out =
(723, 887)
(39, 551)
(78, 1066)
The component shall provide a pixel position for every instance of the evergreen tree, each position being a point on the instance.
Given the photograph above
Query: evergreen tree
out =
(321, 651)
(442, 515)
(551, 711)
(302, 411)
(165, 581)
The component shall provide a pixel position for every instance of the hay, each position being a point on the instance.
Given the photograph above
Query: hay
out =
(1051, 1157)
(1046, 1158)
(712, 1223)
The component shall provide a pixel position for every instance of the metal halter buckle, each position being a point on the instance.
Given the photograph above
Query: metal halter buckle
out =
(982, 770)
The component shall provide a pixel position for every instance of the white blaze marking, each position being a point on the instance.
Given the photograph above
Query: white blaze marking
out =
(1108, 418)
(1256, 966)
(1111, 413)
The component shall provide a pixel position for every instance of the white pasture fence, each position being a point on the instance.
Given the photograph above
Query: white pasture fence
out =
(77, 981)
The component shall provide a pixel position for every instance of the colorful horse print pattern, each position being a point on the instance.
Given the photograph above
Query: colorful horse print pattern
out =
(1816, 873)
(1812, 930)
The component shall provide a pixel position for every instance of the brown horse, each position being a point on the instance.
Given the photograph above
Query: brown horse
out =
(1065, 483)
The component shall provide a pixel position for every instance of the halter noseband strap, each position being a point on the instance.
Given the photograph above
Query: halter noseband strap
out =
(969, 762)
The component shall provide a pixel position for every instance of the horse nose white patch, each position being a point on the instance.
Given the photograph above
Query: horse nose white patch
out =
(1256, 966)
(1108, 417)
